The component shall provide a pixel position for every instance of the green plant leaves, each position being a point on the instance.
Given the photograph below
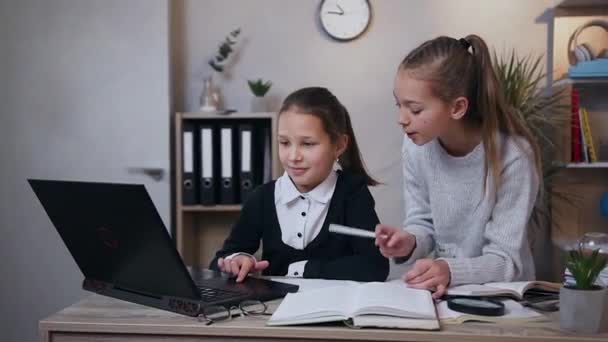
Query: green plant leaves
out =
(544, 111)
(224, 51)
(259, 87)
(585, 267)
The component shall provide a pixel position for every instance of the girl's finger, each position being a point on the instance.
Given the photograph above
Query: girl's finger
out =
(234, 266)
(420, 267)
(420, 278)
(441, 289)
(244, 270)
(393, 240)
(430, 284)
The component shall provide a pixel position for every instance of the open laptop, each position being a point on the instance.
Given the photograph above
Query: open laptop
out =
(120, 244)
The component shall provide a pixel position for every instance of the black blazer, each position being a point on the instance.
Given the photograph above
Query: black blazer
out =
(330, 256)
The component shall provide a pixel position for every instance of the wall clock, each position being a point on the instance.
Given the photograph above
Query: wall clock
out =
(345, 20)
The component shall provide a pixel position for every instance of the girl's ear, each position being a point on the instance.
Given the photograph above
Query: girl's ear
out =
(341, 145)
(459, 107)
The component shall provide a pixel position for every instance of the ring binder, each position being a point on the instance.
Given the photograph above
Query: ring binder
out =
(188, 175)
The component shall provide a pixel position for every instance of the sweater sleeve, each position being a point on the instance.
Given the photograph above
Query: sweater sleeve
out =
(418, 220)
(365, 263)
(246, 233)
(505, 250)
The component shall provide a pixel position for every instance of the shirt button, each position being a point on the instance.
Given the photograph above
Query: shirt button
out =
(295, 273)
(302, 197)
(299, 235)
(303, 214)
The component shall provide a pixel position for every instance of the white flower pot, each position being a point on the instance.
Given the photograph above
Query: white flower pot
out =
(259, 104)
(583, 311)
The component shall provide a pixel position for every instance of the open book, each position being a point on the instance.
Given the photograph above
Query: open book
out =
(388, 305)
(515, 313)
(519, 290)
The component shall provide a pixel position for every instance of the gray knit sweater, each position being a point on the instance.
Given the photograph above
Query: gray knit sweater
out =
(482, 237)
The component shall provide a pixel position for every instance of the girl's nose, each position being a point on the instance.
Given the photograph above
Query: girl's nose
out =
(294, 154)
(404, 119)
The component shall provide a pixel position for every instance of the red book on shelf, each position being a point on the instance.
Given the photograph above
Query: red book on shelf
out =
(576, 155)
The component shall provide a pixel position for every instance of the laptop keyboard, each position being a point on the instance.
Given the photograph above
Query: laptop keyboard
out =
(209, 294)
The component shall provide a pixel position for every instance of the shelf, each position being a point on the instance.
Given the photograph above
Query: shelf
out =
(219, 208)
(596, 165)
(268, 115)
(588, 81)
(581, 8)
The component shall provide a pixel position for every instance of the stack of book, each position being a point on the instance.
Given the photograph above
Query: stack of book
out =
(583, 146)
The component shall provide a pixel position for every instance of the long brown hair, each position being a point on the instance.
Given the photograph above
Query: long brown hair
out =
(455, 71)
(320, 102)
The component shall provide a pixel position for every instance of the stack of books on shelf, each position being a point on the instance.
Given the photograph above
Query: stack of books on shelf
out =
(583, 146)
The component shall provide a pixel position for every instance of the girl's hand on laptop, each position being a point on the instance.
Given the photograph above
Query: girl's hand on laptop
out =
(429, 274)
(394, 242)
(241, 265)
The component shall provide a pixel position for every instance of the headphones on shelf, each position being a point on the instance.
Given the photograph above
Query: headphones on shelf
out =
(582, 53)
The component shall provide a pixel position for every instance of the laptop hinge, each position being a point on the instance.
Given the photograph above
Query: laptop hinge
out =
(180, 305)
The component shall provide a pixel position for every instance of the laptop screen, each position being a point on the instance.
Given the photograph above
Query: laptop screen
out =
(115, 235)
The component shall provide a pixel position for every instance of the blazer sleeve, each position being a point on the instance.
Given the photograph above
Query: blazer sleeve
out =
(246, 233)
(365, 263)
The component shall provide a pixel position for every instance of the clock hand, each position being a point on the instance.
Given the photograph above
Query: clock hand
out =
(332, 12)
(341, 10)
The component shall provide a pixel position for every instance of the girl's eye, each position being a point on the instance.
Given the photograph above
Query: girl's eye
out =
(308, 144)
(284, 143)
(416, 111)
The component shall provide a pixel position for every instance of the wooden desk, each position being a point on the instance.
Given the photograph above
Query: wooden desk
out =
(103, 319)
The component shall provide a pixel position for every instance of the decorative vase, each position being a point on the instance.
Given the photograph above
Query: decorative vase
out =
(583, 311)
(259, 104)
(210, 97)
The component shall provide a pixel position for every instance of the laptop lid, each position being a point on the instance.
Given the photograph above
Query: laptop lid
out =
(116, 236)
(120, 244)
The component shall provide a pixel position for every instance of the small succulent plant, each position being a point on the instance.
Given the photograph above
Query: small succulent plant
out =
(585, 267)
(259, 87)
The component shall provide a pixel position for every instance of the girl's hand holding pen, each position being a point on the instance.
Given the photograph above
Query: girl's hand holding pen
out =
(394, 242)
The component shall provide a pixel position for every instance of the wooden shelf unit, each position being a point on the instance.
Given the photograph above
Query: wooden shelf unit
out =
(583, 182)
(200, 230)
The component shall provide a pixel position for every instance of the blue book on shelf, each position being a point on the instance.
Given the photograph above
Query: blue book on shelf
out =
(595, 68)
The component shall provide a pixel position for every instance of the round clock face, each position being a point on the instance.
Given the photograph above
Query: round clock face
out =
(345, 19)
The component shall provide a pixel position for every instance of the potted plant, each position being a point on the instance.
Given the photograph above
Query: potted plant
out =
(210, 98)
(259, 88)
(546, 114)
(582, 304)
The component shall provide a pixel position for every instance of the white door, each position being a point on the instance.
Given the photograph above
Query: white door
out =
(84, 95)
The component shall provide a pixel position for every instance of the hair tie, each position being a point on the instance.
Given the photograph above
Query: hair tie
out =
(464, 43)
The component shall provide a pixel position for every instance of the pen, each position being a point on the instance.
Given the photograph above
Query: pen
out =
(340, 229)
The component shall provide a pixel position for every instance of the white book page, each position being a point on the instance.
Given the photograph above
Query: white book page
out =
(523, 286)
(394, 299)
(326, 302)
(470, 290)
(513, 311)
(518, 286)
(307, 284)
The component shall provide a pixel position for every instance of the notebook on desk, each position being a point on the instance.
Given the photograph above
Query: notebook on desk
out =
(122, 247)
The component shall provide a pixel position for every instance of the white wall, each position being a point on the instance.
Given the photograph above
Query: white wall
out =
(43, 95)
(84, 94)
(282, 42)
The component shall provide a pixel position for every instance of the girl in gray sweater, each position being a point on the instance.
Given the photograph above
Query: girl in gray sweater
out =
(471, 171)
